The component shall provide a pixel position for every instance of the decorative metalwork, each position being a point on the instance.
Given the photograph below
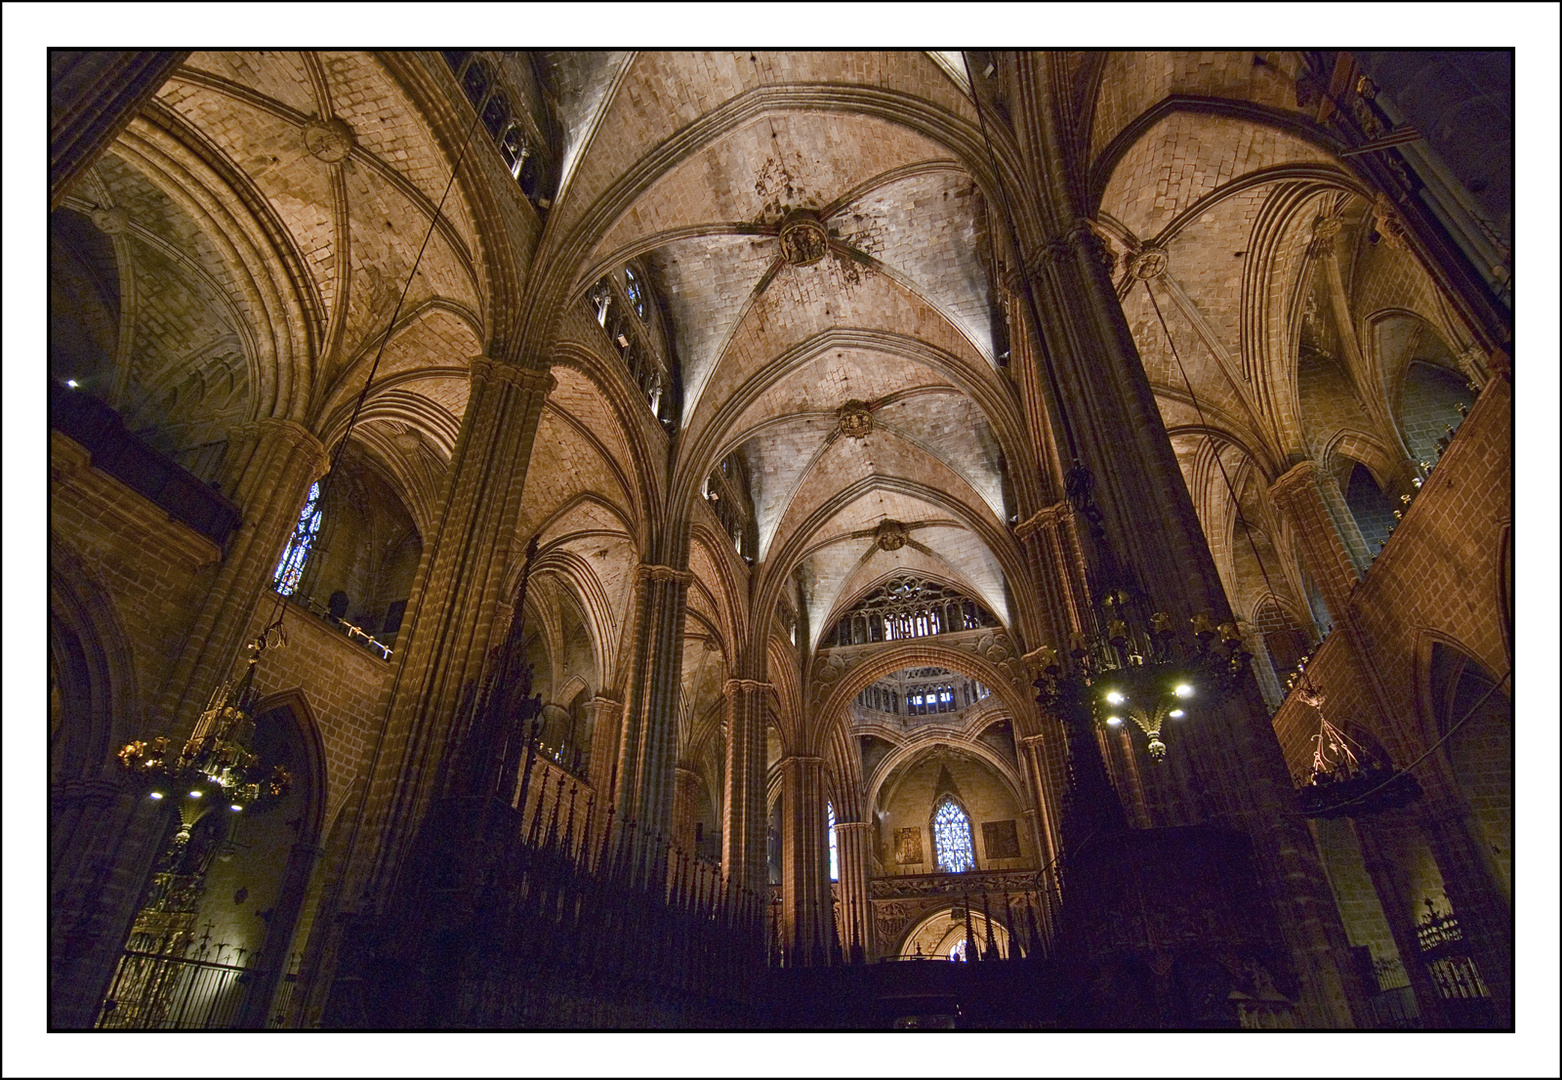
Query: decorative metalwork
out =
(1349, 779)
(215, 766)
(1147, 672)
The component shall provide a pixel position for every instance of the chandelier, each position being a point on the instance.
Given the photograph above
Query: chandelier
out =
(215, 766)
(1349, 779)
(1147, 673)
(1132, 666)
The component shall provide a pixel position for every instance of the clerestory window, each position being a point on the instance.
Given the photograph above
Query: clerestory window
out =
(297, 551)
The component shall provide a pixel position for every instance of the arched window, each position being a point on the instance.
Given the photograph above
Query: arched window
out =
(496, 113)
(297, 551)
(636, 295)
(952, 838)
(475, 82)
(835, 862)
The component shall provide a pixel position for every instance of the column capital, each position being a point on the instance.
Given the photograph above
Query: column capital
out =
(293, 434)
(735, 686)
(1047, 516)
(487, 369)
(853, 826)
(664, 573)
(603, 700)
(1293, 480)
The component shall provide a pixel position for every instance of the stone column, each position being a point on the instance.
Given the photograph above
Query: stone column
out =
(606, 731)
(851, 850)
(1047, 781)
(648, 744)
(1227, 767)
(93, 94)
(805, 868)
(686, 791)
(1326, 552)
(1378, 836)
(743, 856)
(269, 468)
(103, 837)
(454, 622)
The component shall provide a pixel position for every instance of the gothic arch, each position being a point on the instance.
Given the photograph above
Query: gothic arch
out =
(89, 652)
(1007, 681)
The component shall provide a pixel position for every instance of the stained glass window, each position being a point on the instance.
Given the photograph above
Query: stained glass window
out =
(632, 287)
(952, 838)
(835, 865)
(297, 552)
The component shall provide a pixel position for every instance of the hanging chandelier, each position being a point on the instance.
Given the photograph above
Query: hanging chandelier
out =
(1349, 779)
(1135, 664)
(215, 767)
(1146, 672)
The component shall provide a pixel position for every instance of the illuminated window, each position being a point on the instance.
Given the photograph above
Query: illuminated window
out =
(952, 838)
(632, 287)
(297, 551)
(835, 864)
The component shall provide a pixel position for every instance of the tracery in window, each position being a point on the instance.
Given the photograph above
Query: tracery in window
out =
(835, 863)
(952, 838)
(908, 607)
(297, 552)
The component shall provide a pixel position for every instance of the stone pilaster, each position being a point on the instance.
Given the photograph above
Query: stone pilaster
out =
(93, 94)
(743, 855)
(851, 852)
(805, 868)
(607, 724)
(686, 791)
(648, 743)
(1053, 547)
(454, 618)
(1227, 768)
(269, 468)
(1331, 564)
(1047, 781)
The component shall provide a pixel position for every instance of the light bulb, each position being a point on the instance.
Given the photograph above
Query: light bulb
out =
(72, 383)
(195, 794)
(235, 808)
(1114, 720)
(1176, 713)
(1114, 697)
(1183, 690)
(157, 794)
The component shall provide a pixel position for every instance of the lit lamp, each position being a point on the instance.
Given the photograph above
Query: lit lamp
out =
(1144, 671)
(215, 767)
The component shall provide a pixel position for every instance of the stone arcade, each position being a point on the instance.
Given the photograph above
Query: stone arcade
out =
(668, 577)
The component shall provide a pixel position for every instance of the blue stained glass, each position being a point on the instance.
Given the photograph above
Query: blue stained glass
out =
(297, 551)
(835, 865)
(952, 838)
(632, 287)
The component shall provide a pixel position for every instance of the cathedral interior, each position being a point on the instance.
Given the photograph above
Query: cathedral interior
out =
(753, 540)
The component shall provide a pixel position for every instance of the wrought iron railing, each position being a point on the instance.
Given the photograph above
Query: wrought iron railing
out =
(167, 991)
